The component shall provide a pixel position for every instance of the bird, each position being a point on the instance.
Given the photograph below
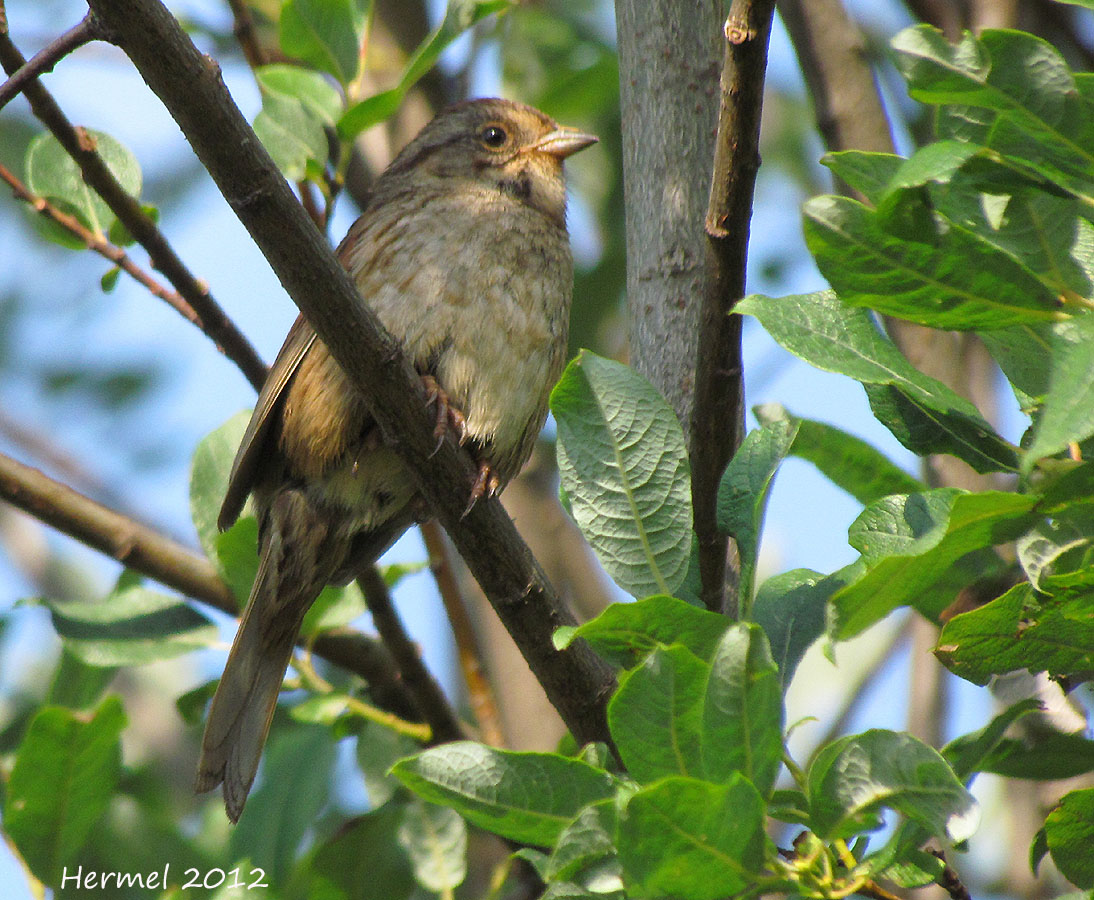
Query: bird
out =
(462, 251)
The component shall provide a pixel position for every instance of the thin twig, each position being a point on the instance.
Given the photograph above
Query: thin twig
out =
(480, 694)
(81, 147)
(44, 60)
(243, 28)
(717, 419)
(431, 701)
(950, 881)
(316, 683)
(575, 679)
(145, 550)
(875, 891)
(104, 248)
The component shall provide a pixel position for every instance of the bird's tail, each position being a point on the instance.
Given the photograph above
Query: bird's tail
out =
(243, 706)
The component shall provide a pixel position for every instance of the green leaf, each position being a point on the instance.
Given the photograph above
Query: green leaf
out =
(527, 797)
(1038, 850)
(912, 546)
(854, 777)
(790, 608)
(291, 134)
(966, 754)
(76, 685)
(130, 627)
(1068, 411)
(1069, 830)
(64, 776)
(364, 862)
(868, 173)
(378, 749)
(369, 112)
(1046, 547)
(940, 277)
(919, 428)
(235, 554)
(1043, 755)
(335, 607)
(191, 705)
(1028, 354)
(936, 162)
(837, 338)
(1009, 91)
(743, 711)
(435, 840)
(585, 852)
(294, 788)
(692, 840)
(109, 281)
(459, 16)
(849, 462)
(209, 469)
(325, 34)
(919, 869)
(742, 494)
(311, 89)
(52, 173)
(623, 463)
(625, 632)
(1023, 217)
(985, 641)
(655, 717)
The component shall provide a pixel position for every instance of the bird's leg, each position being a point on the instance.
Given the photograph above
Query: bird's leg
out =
(451, 418)
(448, 416)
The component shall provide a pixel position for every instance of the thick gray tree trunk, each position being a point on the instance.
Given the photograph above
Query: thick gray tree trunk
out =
(670, 56)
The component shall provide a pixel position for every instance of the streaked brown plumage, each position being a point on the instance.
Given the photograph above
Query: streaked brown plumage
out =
(462, 252)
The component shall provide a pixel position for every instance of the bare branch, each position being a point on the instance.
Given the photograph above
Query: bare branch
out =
(81, 147)
(578, 682)
(44, 60)
(481, 695)
(951, 881)
(430, 700)
(717, 417)
(147, 551)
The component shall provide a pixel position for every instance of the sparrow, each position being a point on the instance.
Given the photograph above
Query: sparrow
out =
(463, 254)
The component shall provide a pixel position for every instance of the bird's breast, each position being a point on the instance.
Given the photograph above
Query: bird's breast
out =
(483, 304)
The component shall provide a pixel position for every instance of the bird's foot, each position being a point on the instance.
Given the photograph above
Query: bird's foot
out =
(449, 418)
(487, 483)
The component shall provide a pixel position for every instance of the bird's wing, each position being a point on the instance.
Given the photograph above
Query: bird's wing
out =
(252, 450)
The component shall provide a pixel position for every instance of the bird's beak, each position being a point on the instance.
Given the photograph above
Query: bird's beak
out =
(563, 142)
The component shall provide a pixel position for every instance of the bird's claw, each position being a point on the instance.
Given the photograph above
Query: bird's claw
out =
(449, 418)
(487, 483)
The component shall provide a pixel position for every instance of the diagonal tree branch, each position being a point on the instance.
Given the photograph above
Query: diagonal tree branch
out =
(43, 61)
(145, 550)
(81, 147)
(717, 417)
(577, 681)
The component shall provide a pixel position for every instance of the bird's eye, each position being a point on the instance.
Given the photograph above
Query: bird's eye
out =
(494, 136)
